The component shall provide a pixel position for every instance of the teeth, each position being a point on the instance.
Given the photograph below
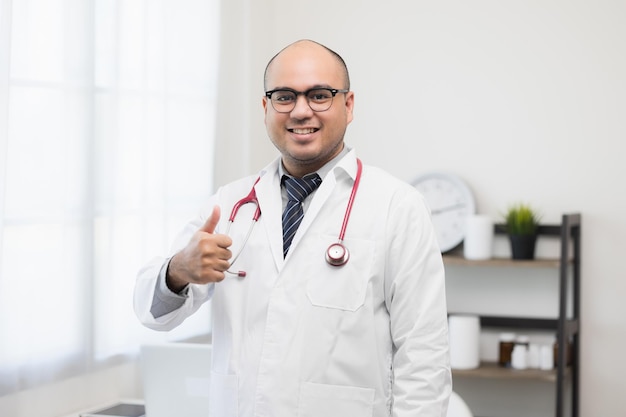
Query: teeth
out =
(303, 131)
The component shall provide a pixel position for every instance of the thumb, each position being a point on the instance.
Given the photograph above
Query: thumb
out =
(211, 222)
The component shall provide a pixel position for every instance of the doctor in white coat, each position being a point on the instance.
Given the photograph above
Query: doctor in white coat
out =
(297, 336)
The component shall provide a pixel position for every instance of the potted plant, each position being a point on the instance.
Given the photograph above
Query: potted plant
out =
(521, 223)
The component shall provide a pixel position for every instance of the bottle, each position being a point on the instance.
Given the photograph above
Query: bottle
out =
(519, 357)
(546, 358)
(507, 342)
(533, 356)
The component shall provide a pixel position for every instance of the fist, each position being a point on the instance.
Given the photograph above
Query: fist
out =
(205, 258)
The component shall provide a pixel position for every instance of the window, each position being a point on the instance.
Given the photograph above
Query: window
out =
(107, 113)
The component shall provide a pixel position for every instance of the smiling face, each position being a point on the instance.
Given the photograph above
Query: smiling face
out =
(305, 138)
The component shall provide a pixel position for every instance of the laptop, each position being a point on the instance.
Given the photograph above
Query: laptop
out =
(176, 379)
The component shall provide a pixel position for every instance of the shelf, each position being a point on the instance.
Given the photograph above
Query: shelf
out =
(491, 370)
(571, 326)
(566, 325)
(519, 322)
(458, 260)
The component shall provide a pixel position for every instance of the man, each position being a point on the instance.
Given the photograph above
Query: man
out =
(299, 331)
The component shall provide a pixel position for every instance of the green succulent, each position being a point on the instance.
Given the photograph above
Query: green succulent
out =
(521, 219)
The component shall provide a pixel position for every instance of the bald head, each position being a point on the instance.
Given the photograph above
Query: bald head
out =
(307, 47)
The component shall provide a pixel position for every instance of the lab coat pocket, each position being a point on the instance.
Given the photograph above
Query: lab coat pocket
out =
(224, 400)
(335, 401)
(342, 287)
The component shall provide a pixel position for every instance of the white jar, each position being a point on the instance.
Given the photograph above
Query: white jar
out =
(478, 240)
(464, 337)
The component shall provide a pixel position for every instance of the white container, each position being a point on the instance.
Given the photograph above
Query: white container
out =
(478, 241)
(546, 357)
(533, 356)
(464, 333)
(519, 357)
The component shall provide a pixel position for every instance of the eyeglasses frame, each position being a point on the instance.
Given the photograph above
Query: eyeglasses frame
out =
(333, 92)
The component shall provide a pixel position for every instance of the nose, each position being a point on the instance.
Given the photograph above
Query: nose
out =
(301, 109)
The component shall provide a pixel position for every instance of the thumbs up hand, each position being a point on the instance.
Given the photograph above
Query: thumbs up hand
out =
(203, 260)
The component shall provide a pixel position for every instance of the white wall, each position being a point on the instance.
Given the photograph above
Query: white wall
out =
(525, 100)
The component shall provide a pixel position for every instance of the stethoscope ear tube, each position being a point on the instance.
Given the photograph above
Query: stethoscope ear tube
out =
(250, 198)
(337, 254)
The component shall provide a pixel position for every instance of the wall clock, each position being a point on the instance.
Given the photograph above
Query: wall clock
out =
(450, 201)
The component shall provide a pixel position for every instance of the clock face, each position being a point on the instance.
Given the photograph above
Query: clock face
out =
(450, 202)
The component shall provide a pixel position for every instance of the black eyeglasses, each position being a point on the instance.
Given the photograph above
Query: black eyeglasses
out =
(319, 99)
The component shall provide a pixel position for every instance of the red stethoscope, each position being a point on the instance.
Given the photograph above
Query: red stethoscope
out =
(336, 254)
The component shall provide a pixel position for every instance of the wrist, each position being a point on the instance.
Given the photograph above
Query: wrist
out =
(172, 280)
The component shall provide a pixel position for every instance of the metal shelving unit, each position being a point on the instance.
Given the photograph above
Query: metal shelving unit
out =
(567, 328)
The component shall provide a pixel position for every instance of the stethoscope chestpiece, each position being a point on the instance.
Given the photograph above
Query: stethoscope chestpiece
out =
(337, 254)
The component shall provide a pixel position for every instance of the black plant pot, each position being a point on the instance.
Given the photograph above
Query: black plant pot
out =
(523, 246)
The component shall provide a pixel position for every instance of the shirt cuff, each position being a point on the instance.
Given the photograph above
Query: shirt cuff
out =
(165, 300)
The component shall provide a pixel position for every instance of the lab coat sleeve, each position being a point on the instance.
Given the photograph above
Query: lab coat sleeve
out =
(415, 297)
(149, 290)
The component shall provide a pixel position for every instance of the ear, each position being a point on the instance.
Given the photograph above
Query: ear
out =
(265, 104)
(349, 106)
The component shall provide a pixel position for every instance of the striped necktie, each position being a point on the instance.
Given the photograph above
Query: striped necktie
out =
(297, 190)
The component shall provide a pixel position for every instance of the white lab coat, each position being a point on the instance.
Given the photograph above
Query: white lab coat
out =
(298, 337)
